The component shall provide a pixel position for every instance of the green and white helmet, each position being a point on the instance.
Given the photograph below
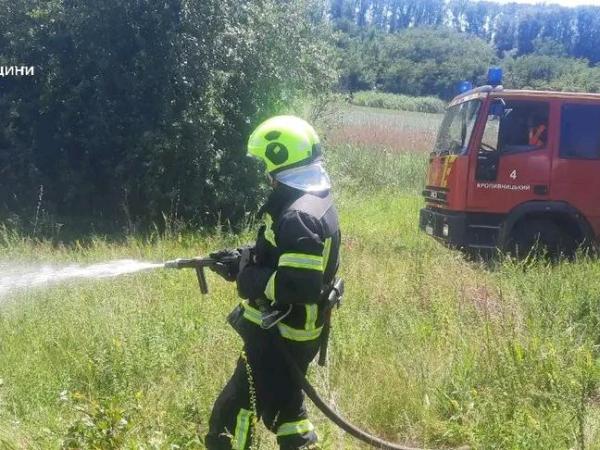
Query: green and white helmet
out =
(291, 151)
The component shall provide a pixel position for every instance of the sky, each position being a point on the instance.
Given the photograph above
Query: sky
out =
(559, 2)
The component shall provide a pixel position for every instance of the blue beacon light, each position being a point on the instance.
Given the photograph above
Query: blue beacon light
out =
(495, 76)
(464, 86)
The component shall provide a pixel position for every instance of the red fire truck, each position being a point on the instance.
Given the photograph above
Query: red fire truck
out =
(515, 168)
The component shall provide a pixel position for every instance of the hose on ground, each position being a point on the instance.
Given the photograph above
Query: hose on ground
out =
(328, 411)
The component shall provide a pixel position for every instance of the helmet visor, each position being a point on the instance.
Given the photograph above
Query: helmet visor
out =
(310, 178)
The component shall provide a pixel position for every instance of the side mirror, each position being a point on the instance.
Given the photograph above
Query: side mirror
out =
(498, 108)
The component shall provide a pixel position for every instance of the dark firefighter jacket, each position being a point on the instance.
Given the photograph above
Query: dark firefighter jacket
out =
(297, 257)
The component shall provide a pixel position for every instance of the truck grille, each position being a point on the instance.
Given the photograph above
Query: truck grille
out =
(436, 195)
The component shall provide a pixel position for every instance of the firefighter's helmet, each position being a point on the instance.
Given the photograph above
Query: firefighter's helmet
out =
(291, 151)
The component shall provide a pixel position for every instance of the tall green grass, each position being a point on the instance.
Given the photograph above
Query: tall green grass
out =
(363, 172)
(428, 349)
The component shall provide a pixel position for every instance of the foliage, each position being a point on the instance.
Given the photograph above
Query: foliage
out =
(507, 27)
(140, 110)
(386, 100)
(102, 424)
(426, 47)
(358, 170)
(416, 62)
(539, 71)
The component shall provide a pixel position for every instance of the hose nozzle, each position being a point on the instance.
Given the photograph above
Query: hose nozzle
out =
(173, 264)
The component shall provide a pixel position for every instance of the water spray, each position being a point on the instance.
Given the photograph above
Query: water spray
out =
(14, 277)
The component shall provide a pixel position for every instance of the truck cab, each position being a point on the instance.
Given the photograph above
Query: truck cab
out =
(515, 168)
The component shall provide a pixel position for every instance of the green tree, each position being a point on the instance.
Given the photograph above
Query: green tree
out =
(508, 26)
(549, 47)
(141, 109)
(417, 61)
(551, 72)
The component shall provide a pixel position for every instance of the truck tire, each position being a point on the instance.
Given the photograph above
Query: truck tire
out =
(542, 236)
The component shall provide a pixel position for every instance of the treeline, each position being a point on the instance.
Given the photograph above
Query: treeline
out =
(427, 61)
(424, 48)
(416, 61)
(507, 27)
(139, 111)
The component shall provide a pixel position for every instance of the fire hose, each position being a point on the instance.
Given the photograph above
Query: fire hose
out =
(337, 290)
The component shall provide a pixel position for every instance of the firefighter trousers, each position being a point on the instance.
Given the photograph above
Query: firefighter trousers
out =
(262, 387)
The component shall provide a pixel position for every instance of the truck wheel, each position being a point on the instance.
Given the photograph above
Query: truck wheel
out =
(542, 236)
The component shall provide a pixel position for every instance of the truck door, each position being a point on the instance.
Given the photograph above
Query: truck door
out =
(512, 162)
(576, 170)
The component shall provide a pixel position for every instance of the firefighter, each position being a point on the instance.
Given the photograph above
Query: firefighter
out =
(537, 131)
(296, 259)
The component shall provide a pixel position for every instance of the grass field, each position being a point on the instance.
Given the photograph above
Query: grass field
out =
(429, 349)
(384, 130)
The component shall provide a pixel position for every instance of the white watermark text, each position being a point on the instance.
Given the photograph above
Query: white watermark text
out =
(17, 71)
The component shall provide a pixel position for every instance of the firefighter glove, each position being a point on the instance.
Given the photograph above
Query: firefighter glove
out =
(227, 265)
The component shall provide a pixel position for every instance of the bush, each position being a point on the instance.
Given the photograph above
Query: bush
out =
(140, 110)
(539, 71)
(396, 101)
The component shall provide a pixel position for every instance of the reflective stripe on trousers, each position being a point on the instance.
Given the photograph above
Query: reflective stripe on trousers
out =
(242, 427)
(299, 427)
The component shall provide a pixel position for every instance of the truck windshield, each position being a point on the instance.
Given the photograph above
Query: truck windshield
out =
(456, 129)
